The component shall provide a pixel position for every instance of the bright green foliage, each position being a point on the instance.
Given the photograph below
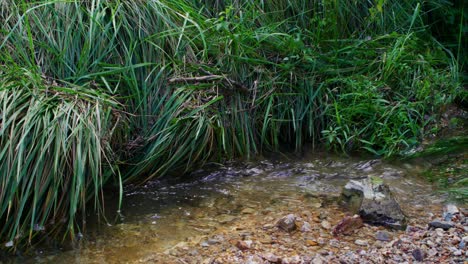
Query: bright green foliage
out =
(144, 88)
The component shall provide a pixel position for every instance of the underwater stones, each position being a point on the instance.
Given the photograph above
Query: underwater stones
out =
(374, 202)
(348, 225)
(287, 223)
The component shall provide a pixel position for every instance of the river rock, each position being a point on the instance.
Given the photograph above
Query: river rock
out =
(374, 202)
(287, 223)
(383, 236)
(348, 225)
(437, 223)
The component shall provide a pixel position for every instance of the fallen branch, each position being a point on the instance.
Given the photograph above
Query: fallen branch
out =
(211, 77)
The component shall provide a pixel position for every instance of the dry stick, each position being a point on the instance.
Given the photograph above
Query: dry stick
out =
(211, 77)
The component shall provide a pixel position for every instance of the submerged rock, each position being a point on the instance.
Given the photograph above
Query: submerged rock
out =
(287, 223)
(374, 202)
(348, 225)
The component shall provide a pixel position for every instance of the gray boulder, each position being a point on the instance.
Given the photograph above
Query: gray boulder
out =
(373, 201)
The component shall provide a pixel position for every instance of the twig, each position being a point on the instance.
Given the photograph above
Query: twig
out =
(211, 77)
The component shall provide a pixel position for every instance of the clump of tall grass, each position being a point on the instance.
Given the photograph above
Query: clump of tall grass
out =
(55, 152)
(144, 88)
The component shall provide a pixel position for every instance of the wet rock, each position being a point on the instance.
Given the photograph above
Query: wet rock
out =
(287, 223)
(306, 227)
(325, 224)
(348, 225)
(383, 236)
(374, 202)
(446, 225)
(418, 255)
(244, 244)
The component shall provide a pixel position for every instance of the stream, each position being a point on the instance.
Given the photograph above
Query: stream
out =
(205, 214)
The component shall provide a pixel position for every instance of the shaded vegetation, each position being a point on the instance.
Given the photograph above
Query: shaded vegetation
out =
(101, 91)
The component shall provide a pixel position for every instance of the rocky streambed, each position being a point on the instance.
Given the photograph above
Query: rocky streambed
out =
(277, 210)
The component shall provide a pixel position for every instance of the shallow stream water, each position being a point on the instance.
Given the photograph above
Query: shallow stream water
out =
(223, 198)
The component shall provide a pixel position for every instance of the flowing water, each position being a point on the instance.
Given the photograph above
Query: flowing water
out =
(161, 214)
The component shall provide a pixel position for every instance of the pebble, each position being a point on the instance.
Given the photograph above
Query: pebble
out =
(306, 227)
(270, 257)
(312, 243)
(441, 224)
(224, 219)
(383, 236)
(318, 259)
(451, 209)
(325, 224)
(361, 242)
(418, 254)
(248, 211)
(244, 244)
(287, 223)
